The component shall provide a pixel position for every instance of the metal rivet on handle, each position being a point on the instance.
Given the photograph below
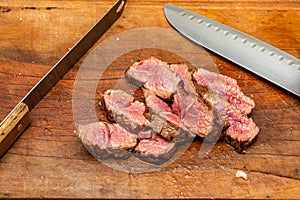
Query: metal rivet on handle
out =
(253, 45)
(244, 41)
(280, 58)
(182, 14)
(20, 127)
(272, 53)
(226, 33)
(208, 25)
(262, 49)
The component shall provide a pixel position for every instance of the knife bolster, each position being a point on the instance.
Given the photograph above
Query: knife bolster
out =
(13, 126)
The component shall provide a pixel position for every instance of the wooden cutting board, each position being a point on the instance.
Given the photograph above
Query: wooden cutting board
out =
(49, 161)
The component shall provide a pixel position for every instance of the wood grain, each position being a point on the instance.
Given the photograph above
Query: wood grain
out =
(49, 161)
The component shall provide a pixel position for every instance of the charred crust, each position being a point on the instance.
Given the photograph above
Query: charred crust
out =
(125, 122)
(104, 154)
(239, 147)
(101, 111)
(157, 160)
(167, 129)
(202, 90)
(168, 101)
(103, 114)
(133, 81)
(110, 116)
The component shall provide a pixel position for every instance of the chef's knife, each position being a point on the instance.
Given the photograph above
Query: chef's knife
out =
(253, 54)
(18, 119)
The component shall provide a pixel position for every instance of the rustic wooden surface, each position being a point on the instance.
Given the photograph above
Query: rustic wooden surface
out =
(49, 161)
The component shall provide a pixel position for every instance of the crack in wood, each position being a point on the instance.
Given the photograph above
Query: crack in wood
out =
(190, 167)
(232, 168)
(5, 9)
(55, 157)
(23, 75)
(39, 8)
(273, 174)
(48, 140)
(270, 154)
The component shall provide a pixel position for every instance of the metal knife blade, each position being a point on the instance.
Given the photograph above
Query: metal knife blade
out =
(18, 119)
(253, 54)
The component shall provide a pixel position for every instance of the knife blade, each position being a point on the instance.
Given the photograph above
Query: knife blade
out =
(251, 53)
(19, 118)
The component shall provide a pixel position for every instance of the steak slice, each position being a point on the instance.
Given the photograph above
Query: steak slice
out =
(242, 129)
(124, 111)
(120, 138)
(155, 150)
(196, 115)
(154, 75)
(104, 140)
(185, 75)
(163, 121)
(117, 99)
(226, 87)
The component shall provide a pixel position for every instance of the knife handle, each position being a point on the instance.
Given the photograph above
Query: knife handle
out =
(13, 125)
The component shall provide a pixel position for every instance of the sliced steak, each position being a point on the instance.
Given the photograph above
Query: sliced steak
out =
(154, 75)
(104, 140)
(242, 129)
(146, 133)
(163, 121)
(124, 111)
(185, 75)
(226, 87)
(120, 138)
(117, 99)
(172, 104)
(155, 150)
(196, 115)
